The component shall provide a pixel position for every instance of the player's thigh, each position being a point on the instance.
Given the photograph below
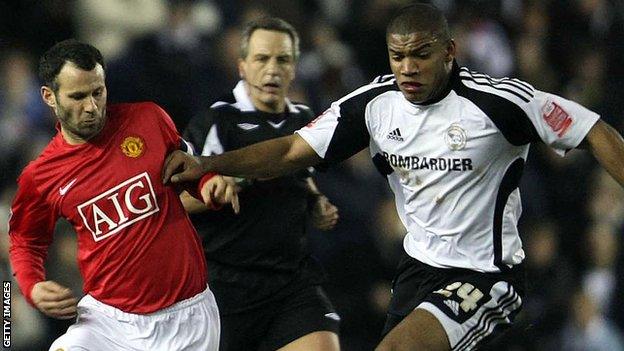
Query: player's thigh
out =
(85, 337)
(475, 309)
(420, 330)
(320, 340)
(305, 320)
(470, 309)
(192, 324)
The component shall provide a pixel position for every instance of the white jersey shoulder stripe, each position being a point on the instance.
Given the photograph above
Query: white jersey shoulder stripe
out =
(500, 83)
(383, 78)
(502, 86)
(519, 82)
(364, 89)
(504, 93)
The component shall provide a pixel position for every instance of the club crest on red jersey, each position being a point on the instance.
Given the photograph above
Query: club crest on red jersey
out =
(133, 146)
(119, 207)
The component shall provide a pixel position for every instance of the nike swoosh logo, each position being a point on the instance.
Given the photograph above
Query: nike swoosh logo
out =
(63, 190)
(278, 124)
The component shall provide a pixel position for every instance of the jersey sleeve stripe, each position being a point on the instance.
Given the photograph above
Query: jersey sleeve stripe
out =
(498, 82)
(364, 89)
(483, 75)
(511, 91)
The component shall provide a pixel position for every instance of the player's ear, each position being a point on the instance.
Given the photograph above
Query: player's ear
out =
(451, 50)
(241, 68)
(48, 96)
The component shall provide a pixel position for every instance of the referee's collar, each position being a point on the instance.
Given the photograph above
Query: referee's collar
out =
(454, 75)
(244, 103)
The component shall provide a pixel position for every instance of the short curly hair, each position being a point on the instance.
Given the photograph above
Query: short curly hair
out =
(83, 55)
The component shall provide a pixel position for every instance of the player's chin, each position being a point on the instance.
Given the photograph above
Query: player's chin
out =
(415, 98)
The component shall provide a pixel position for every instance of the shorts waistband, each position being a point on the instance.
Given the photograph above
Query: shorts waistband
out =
(113, 312)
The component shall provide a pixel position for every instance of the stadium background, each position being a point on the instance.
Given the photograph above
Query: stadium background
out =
(182, 54)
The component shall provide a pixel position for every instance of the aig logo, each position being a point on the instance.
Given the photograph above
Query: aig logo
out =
(119, 207)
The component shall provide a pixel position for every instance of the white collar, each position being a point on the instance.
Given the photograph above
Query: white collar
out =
(243, 101)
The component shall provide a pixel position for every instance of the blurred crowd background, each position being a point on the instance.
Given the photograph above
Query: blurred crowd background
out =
(182, 54)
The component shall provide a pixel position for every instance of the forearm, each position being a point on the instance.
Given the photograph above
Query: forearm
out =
(270, 158)
(607, 145)
(28, 267)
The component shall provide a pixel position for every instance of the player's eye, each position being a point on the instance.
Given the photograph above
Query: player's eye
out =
(283, 59)
(78, 97)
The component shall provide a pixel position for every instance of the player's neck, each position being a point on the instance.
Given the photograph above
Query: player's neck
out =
(71, 138)
(278, 107)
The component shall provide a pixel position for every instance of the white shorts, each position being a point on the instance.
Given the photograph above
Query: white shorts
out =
(191, 324)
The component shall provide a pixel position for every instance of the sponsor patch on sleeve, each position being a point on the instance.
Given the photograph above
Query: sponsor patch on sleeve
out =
(556, 117)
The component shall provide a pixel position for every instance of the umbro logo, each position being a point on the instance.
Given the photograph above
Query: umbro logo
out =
(395, 135)
(247, 126)
(333, 315)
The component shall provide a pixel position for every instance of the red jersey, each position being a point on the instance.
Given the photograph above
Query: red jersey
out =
(137, 249)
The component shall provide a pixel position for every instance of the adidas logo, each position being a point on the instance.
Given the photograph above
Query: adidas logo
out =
(395, 135)
(453, 305)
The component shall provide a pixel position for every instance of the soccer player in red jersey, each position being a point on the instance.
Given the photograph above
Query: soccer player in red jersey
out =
(141, 260)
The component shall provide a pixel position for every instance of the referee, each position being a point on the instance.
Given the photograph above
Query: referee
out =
(452, 143)
(259, 267)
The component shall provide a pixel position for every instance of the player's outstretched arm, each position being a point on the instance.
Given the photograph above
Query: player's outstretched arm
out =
(269, 158)
(54, 300)
(607, 145)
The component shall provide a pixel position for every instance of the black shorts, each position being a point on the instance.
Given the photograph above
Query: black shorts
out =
(471, 306)
(275, 324)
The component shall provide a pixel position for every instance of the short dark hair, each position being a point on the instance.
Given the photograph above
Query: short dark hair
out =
(419, 17)
(83, 55)
(272, 24)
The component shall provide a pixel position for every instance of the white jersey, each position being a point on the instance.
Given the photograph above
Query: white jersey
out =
(454, 164)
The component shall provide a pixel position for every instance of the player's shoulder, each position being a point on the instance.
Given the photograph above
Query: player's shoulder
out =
(364, 94)
(376, 87)
(480, 85)
(226, 103)
(144, 113)
(32, 169)
(134, 107)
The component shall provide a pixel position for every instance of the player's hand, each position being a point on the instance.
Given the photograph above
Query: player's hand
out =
(324, 213)
(54, 300)
(181, 167)
(221, 190)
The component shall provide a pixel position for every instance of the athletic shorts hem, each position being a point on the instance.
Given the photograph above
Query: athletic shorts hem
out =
(453, 334)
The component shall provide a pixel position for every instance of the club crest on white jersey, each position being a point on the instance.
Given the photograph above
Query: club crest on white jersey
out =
(119, 207)
(455, 137)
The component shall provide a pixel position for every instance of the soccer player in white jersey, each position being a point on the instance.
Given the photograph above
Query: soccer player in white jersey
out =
(452, 143)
